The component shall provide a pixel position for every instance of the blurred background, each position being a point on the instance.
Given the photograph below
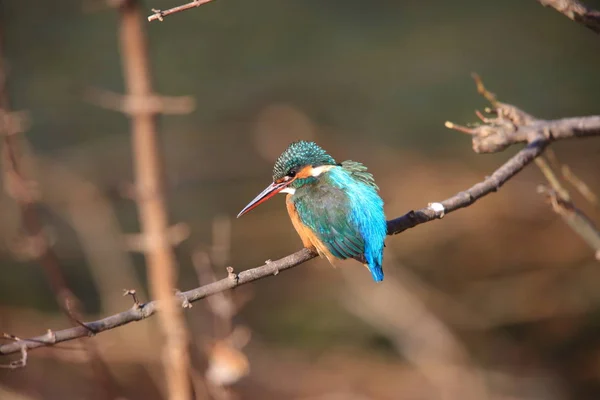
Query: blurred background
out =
(500, 300)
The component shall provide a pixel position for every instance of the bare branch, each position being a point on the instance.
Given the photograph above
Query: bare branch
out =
(152, 209)
(562, 204)
(576, 11)
(159, 14)
(570, 177)
(148, 309)
(464, 199)
(510, 126)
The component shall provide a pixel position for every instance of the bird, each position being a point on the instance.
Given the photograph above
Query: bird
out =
(334, 207)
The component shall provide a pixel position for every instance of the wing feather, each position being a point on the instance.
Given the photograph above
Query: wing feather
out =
(324, 211)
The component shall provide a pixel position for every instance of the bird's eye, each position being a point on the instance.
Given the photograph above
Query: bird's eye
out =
(292, 173)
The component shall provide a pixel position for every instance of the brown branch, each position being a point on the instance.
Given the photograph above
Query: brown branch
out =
(152, 209)
(576, 11)
(562, 204)
(143, 311)
(159, 14)
(510, 126)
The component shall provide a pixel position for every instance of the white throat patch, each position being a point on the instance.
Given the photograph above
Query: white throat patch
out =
(288, 190)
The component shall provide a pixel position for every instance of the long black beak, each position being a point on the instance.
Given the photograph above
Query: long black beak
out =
(265, 195)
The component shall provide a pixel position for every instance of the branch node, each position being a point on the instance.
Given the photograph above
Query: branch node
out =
(438, 209)
(185, 303)
(231, 275)
(132, 293)
(158, 14)
(51, 336)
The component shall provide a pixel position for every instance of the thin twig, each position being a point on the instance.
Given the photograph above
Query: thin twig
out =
(20, 363)
(159, 14)
(576, 11)
(552, 179)
(570, 177)
(560, 200)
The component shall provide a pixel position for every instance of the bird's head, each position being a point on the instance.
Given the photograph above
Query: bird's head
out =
(300, 164)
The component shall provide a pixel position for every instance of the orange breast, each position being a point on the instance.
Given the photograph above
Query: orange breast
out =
(309, 238)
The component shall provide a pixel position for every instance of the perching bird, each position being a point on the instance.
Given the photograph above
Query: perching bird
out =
(334, 207)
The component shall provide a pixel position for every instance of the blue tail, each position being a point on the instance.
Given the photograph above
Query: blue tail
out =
(376, 272)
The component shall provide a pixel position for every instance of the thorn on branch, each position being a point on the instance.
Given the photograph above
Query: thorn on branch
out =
(269, 261)
(231, 275)
(51, 336)
(8, 336)
(460, 128)
(132, 293)
(158, 14)
(185, 303)
(482, 117)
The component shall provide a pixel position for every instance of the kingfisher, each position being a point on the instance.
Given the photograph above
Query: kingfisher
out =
(334, 207)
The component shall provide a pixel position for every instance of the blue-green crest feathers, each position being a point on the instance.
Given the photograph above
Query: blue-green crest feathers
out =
(299, 154)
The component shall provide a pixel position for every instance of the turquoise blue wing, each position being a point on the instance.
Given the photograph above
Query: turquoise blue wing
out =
(325, 210)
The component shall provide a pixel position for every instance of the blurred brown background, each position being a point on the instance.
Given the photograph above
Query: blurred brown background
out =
(500, 300)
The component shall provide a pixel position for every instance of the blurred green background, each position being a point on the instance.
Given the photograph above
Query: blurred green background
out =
(373, 81)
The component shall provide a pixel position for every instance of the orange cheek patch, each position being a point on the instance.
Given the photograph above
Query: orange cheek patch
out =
(305, 172)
